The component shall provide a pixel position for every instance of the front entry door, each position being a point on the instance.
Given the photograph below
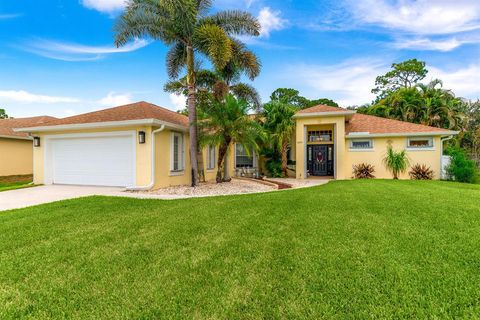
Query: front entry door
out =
(320, 160)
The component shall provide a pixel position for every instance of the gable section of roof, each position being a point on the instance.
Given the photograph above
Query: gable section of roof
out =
(134, 111)
(362, 123)
(7, 126)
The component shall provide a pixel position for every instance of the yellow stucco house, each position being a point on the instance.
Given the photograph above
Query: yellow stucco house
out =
(329, 141)
(143, 146)
(16, 152)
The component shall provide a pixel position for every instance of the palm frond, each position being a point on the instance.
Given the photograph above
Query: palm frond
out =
(176, 59)
(212, 41)
(235, 22)
(248, 93)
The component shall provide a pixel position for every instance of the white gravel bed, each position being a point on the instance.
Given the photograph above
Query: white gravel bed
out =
(214, 189)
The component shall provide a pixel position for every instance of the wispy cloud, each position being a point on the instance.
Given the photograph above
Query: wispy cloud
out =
(350, 82)
(6, 16)
(419, 17)
(270, 21)
(105, 6)
(113, 99)
(76, 52)
(27, 97)
(444, 45)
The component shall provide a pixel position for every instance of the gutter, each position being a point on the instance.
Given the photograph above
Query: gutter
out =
(152, 177)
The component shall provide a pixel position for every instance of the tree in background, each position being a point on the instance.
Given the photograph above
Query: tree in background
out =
(186, 27)
(293, 98)
(225, 123)
(280, 124)
(3, 114)
(405, 74)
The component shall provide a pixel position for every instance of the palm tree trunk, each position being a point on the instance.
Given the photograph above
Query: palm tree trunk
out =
(226, 169)
(192, 115)
(221, 162)
(284, 157)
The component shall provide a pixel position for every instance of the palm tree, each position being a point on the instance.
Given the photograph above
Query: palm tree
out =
(186, 27)
(220, 82)
(225, 123)
(396, 162)
(280, 123)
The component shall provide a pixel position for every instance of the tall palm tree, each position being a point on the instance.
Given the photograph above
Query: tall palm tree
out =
(221, 82)
(280, 123)
(186, 27)
(225, 123)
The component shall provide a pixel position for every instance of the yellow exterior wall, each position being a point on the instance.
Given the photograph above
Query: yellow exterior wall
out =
(16, 157)
(338, 125)
(375, 157)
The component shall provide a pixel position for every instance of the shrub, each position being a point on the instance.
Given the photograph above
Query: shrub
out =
(421, 172)
(363, 171)
(396, 162)
(461, 168)
(274, 167)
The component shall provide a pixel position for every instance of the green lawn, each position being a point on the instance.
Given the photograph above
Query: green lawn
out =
(349, 249)
(15, 182)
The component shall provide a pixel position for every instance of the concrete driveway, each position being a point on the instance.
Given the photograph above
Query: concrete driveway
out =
(27, 197)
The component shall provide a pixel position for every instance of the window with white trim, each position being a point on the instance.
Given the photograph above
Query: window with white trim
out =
(420, 143)
(211, 151)
(242, 158)
(177, 152)
(361, 144)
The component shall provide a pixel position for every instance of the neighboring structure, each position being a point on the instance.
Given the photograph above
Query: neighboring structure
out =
(330, 141)
(16, 153)
(144, 146)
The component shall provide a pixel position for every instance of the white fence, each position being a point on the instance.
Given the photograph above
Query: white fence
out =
(445, 163)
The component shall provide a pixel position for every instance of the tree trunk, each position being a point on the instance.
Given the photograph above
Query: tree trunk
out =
(284, 157)
(222, 151)
(226, 168)
(192, 115)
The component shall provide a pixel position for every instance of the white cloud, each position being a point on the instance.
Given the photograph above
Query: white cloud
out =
(349, 82)
(179, 102)
(112, 99)
(6, 16)
(464, 82)
(419, 16)
(270, 21)
(105, 6)
(77, 52)
(27, 97)
(443, 45)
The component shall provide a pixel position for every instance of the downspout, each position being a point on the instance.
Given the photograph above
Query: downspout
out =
(442, 140)
(152, 177)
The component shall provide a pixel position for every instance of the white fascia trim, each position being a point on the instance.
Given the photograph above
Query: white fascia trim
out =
(405, 134)
(100, 125)
(323, 114)
(16, 137)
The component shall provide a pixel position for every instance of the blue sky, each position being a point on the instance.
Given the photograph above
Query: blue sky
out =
(57, 56)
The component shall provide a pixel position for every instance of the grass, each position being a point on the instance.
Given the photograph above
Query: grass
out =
(349, 249)
(15, 182)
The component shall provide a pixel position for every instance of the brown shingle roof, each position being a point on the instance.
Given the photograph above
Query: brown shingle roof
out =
(135, 111)
(7, 125)
(322, 108)
(376, 125)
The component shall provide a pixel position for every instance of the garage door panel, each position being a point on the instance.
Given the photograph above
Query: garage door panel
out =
(105, 161)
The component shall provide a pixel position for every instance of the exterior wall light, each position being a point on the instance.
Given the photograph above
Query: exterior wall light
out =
(36, 142)
(141, 137)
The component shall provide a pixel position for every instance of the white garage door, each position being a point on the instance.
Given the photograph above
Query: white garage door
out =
(96, 161)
